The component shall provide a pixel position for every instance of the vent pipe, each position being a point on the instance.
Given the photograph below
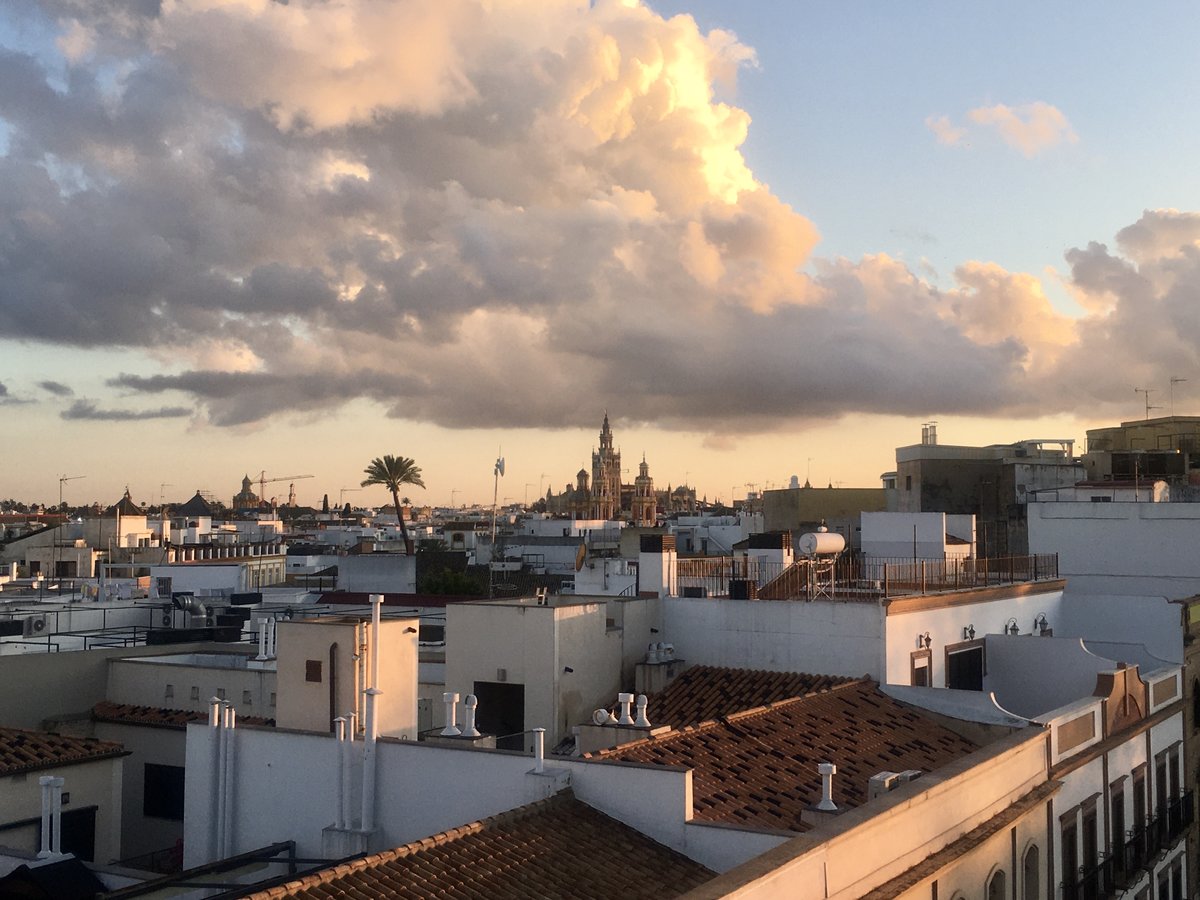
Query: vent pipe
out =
(539, 750)
(262, 640)
(625, 700)
(827, 770)
(51, 816)
(450, 698)
(229, 719)
(372, 721)
(271, 636)
(469, 729)
(642, 721)
(339, 731)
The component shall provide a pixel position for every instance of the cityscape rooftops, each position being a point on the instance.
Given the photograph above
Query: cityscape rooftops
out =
(758, 768)
(580, 853)
(29, 751)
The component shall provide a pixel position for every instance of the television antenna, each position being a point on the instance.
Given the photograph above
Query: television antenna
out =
(1146, 392)
(1175, 379)
(63, 479)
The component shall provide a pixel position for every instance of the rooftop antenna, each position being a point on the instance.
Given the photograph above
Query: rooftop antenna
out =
(1175, 379)
(162, 492)
(1146, 392)
(62, 479)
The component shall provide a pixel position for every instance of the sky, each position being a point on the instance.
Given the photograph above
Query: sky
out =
(769, 239)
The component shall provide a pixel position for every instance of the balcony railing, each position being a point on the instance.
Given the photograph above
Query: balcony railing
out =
(852, 578)
(1113, 873)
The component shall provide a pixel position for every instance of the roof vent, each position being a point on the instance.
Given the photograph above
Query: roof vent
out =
(827, 771)
(882, 782)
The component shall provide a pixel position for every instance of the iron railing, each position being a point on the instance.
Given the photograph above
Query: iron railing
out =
(1115, 872)
(852, 578)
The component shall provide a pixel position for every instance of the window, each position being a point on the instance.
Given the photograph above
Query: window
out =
(920, 675)
(908, 482)
(1116, 820)
(312, 670)
(965, 666)
(995, 888)
(1070, 853)
(247, 698)
(1031, 883)
(162, 792)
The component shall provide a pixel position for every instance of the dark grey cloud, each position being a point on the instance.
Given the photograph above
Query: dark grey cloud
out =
(482, 224)
(57, 388)
(87, 410)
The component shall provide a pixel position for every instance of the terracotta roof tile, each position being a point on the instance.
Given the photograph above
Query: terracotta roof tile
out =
(704, 693)
(557, 848)
(29, 751)
(759, 767)
(159, 717)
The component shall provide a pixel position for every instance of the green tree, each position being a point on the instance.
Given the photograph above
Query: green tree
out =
(391, 472)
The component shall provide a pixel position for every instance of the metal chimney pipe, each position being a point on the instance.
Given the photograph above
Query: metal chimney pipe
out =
(214, 712)
(539, 750)
(827, 770)
(56, 786)
(469, 705)
(372, 730)
(46, 781)
(339, 731)
(262, 640)
(641, 721)
(229, 715)
(625, 701)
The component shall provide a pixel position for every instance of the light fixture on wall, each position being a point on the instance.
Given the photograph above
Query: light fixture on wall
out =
(1011, 627)
(923, 641)
(568, 670)
(1040, 623)
(969, 633)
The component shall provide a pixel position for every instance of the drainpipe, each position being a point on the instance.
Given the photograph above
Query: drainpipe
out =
(47, 784)
(230, 719)
(339, 731)
(372, 729)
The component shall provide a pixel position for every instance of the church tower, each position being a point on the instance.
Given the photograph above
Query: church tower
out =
(606, 476)
(642, 510)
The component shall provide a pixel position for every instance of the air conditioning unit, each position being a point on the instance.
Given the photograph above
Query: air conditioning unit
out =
(33, 626)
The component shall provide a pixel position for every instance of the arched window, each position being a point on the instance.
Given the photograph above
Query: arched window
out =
(1030, 876)
(995, 889)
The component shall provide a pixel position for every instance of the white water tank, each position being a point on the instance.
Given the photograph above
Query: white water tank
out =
(821, 543)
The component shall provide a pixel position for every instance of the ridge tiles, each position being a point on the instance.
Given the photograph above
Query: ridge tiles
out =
(28, 751)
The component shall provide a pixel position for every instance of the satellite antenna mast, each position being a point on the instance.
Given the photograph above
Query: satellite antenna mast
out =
(1175, 379)
(1146, 392)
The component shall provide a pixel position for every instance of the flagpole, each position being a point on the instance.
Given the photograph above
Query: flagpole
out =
(497, 471)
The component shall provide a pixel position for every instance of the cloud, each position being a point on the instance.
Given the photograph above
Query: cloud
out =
(87, 410)
(58, 389)
(476, 215)
(944, 130)
(1030, 129)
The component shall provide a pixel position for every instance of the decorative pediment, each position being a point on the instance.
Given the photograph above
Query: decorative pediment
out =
(1126, 697)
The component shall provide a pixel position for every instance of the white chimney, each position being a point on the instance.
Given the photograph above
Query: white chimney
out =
(642, 721)
(469, 729)
(625, 700)
(451, 730)
(827, 770)
(539, 750)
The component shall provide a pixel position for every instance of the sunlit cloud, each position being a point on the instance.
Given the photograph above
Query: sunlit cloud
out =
(1029, 129)
(944, 130)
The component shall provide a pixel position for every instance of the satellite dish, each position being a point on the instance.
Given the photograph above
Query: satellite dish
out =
(580, 556)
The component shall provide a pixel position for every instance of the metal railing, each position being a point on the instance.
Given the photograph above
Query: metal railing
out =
(853, 578)
(1115, 872)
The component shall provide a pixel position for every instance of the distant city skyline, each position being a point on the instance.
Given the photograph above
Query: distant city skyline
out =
(769, 240)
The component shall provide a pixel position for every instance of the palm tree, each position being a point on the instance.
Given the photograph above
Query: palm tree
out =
(391, 472)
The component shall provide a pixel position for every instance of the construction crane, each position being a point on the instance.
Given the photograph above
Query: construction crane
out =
(263, 481)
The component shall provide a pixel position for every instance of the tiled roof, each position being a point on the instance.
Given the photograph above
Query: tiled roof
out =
(159, 717)
(759, 768)
(28, 751)
(556, 848)
(703, 693)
